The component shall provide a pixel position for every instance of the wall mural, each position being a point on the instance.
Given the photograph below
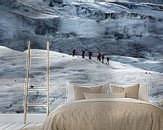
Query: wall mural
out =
(130, 35)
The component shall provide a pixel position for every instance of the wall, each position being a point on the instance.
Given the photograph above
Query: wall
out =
(133, 41)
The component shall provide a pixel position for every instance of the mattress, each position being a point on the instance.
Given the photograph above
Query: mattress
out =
(105, 114)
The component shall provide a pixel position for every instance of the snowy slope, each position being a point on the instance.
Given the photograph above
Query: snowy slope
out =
(122, 70)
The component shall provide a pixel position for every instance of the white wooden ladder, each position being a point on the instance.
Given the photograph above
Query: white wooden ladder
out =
(28, 89)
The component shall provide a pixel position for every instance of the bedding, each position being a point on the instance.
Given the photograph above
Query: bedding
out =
(144, 92)
(131, 91)
(140, 92)
(103, 95)
(105, 114)
(76, 92)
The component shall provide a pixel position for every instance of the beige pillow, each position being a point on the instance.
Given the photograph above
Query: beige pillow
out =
(103, 95)
(76, 92)
(79, 91)
(130, 91)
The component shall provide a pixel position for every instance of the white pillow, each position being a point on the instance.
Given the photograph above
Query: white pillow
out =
(70, 92)
(143, 91)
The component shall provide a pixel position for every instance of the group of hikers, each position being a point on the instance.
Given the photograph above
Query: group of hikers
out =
(100, 56)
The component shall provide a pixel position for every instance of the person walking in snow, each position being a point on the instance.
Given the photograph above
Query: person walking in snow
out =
(90, 54)
(99, 56)
(103, 57)
(83, 53)
(73, 52)
(51, 4)
(107, 60)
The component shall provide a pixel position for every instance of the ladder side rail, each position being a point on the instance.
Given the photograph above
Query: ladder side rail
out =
(48, 81)
(27, 83)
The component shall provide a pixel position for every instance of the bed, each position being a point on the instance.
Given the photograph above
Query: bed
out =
(99, 108)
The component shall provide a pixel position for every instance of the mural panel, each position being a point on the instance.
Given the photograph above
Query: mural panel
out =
(130, 35)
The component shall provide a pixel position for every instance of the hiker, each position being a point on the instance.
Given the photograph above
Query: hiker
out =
(90, 54)
(83, 53)
(107, 60)
(102, 56)
(73, 52)
(99, 56)
(51, 4)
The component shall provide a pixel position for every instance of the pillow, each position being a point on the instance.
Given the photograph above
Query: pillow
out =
(106, 88)
(103, 95)
(161, 103)
(143, 92)
(131, 91)
(76, 92)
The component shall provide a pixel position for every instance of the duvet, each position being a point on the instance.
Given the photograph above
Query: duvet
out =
(106, 114)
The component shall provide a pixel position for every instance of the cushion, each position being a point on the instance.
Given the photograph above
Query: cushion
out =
(106, 88)
(143, 92)
(161, 103)
(103, 95)
(76, 92)
(131, 91)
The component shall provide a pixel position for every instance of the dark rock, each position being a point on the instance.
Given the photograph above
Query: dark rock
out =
(31, 86)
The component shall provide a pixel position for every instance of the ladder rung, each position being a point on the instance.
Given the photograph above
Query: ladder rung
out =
(37, 105)
(38, 70)
(33, 54)
(37, 89)
(37, 57)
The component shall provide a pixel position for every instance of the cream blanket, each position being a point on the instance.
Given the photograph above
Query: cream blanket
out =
(105, 114)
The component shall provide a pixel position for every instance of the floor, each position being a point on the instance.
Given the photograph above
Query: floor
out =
(17, 126)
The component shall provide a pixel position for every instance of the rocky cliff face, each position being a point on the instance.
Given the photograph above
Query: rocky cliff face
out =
(7, 2)
(113, 28)
(135, 1)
